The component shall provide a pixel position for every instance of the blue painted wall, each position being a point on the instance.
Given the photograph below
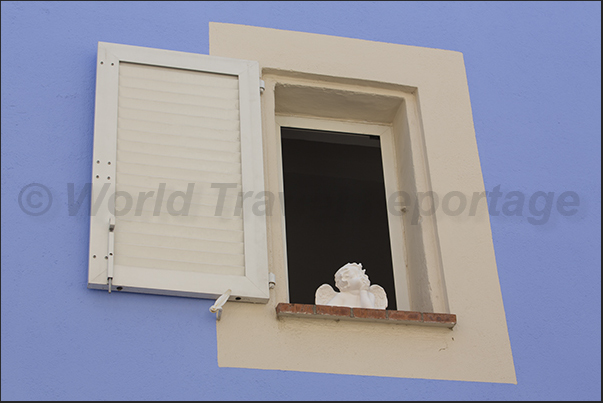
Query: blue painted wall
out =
(534, 72)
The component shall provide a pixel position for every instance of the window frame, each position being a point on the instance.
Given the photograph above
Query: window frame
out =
(346, 101)
(253, 286)
(390, 175)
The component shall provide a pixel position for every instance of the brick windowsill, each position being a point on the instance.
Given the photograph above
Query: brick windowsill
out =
(374, 315)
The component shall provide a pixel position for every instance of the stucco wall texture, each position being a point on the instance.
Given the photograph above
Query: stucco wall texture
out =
(534, 73)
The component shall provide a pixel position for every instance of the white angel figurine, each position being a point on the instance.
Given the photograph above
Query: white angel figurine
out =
(356, 291)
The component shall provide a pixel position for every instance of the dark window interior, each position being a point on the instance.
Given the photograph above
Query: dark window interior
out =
(335, 209)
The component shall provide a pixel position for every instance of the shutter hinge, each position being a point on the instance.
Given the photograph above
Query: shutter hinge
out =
(271, 280)
(109, 256)
(262, 86)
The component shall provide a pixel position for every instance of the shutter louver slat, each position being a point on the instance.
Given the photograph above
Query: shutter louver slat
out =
(167, 173)
(186, 141)
(142, 239)
(183, 120)
(179, 151)
(183, 76)
(178, 130)
(179, 88)
(128, 261)
(195, 232)
(180, 255)
(179, 99)
(179, 108)
(204, 195)
(193, 162)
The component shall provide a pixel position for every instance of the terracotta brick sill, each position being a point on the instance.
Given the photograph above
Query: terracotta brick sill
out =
(361, 314)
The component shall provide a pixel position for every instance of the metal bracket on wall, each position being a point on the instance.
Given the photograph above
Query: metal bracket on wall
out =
(262, 86)
(217, 306)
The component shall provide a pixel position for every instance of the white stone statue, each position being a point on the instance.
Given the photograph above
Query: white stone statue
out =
(356, 291)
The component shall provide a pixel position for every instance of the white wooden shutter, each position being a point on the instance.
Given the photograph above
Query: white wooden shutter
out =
(172, 127)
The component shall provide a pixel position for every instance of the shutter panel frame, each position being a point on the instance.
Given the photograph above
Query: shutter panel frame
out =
(250, 287)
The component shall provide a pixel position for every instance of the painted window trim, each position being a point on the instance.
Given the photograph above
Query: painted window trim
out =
(253, 287)
(418, 246)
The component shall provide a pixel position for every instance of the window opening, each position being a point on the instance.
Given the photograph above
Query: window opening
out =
(335, 210)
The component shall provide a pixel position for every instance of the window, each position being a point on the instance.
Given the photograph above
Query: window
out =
(387, 112)
(336, 207)
(172, 132)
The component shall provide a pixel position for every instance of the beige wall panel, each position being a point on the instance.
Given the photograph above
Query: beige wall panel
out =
(478, 348)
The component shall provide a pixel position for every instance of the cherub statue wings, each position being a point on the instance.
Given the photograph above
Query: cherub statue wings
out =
(354, 288)
(325, 294)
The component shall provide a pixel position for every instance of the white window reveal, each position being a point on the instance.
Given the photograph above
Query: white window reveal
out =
(177, 138)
